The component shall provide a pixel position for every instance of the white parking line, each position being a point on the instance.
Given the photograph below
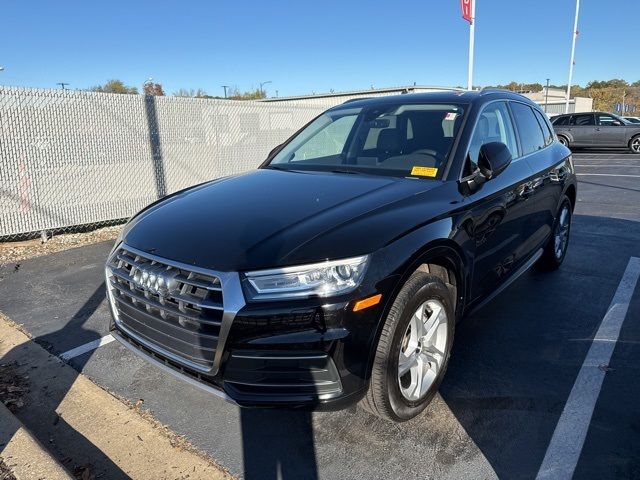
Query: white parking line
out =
(568, 438)
(617, 154)
(87, 347)
(603, 166)
(607, 175)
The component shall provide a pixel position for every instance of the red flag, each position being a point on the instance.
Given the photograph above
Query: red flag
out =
(466, 9)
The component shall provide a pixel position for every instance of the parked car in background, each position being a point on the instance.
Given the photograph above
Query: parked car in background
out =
(632, 119)
(337, 271)
(596, 130)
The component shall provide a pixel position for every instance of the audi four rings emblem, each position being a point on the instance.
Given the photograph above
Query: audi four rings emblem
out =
(155, 279)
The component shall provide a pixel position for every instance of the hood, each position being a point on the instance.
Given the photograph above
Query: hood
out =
(265, 218)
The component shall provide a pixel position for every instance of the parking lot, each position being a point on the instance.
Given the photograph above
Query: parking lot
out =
(512, 369)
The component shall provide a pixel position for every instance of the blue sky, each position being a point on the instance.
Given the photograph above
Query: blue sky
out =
(304, 46)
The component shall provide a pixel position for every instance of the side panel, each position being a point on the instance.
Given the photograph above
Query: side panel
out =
(552, 169)
(499, 211)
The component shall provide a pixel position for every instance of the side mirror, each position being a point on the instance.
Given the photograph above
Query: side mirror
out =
(494, 157)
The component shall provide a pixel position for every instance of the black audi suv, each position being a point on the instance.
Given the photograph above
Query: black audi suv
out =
(337, 271)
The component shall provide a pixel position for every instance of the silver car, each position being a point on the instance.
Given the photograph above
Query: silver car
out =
(596, 130)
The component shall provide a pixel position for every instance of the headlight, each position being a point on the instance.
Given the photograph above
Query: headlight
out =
(321, 279)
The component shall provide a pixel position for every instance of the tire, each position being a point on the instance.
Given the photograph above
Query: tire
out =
(563, 140)
(556, 248)
(634, 144)
(390, 395)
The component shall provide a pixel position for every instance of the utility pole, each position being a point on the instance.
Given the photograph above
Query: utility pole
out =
(573, 55)
(546, 96)
(62, 85)
(225, 90)
(624, 95)
(472, 35)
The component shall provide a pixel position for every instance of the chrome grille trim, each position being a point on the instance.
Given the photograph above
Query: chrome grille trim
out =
(227, 284)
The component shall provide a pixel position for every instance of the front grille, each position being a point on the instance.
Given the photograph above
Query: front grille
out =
(173, 310)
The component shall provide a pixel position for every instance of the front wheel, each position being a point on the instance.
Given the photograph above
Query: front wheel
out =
(556, 248)
(634, 144)
(563, 140)
(413, 350)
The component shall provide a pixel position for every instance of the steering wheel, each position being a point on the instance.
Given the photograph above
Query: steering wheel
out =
(432, 153)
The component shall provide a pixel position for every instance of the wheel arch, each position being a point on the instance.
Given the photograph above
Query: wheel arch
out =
(440, 257)
(566, 136)
(571, 192)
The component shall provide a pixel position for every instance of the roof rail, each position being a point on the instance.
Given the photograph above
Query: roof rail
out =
(356, 99)
(488, 90)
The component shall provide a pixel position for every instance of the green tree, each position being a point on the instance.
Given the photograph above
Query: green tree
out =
(256, 94)
(114, 86)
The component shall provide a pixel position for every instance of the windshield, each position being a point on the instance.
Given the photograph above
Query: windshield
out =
(396, 140)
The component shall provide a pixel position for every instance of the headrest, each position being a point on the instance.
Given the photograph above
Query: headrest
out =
(388, 140)
(483, 127)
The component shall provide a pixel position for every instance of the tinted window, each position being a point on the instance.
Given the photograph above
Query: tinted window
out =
(390, 139)
(582, 120)
(546, 130)
(560, 121)
(607, 120)
(494, 125)
(327, 142)
(531, 135)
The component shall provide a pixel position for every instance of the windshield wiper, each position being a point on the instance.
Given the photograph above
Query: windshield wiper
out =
(277, 167)
(350, 172)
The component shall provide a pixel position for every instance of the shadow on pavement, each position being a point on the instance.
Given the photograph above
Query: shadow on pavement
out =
(70, 447)
(278, 444)
(514, 362)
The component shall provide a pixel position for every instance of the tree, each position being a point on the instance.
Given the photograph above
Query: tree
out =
(198, 93)
(256, 94)
(114, 86)
(155, 89)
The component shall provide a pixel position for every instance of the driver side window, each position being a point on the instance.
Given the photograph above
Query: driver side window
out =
(494, 125)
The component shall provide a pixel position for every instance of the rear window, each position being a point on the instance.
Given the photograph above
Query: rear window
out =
(531, 136)
(546, 130)
(582, 120)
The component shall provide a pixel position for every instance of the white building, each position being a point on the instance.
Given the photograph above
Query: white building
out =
(555, 99)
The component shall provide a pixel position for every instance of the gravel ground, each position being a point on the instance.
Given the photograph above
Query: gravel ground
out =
(13, 252)
(5, 472)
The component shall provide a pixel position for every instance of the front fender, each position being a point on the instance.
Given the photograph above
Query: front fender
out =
(439, 242)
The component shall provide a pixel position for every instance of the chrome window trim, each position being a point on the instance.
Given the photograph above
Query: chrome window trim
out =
(232, 301)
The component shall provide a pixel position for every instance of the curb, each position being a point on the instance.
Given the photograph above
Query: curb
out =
(23, 454)
(85, 424)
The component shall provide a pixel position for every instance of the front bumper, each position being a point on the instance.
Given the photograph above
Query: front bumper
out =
(293, 354)
(297, 366)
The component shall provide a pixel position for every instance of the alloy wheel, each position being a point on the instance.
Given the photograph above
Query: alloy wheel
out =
(561, 237)
(422, 352)
(635, 145)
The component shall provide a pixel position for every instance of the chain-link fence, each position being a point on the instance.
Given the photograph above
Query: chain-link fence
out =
(70, 158)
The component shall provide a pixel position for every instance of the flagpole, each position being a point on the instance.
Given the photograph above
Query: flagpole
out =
(573, 53)
(472, 34)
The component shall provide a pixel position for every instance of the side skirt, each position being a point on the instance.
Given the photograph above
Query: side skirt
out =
(534, 258)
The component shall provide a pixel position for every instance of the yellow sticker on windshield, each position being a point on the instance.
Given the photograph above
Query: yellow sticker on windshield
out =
(424, 171)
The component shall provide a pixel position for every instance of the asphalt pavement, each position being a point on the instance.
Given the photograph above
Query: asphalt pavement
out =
(513, 367)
